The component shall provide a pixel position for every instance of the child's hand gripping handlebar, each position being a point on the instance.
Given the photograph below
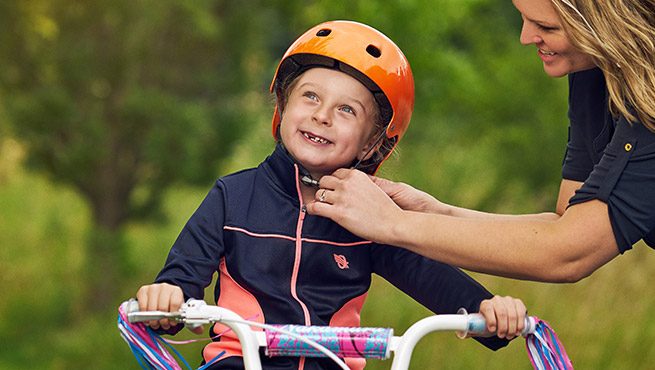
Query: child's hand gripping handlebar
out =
(196, 312)
(464, 324)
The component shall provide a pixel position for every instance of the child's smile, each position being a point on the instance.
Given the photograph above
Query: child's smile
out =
(316, 139)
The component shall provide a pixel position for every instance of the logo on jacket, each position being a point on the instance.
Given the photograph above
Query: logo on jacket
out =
(340, 259)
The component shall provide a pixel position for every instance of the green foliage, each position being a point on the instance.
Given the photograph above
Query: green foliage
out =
(120, 100)
(115, 102)
(114, 96)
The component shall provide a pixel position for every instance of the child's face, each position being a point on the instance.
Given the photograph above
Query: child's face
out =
(328, 121)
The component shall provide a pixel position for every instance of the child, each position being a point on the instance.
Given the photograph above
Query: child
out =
(345, 96)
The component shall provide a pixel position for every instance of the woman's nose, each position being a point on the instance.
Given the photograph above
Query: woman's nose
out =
(530, 34)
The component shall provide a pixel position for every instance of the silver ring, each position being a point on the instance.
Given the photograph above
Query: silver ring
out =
(322, 197)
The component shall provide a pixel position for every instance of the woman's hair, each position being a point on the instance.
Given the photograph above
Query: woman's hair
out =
(619, 35)
(379, 125)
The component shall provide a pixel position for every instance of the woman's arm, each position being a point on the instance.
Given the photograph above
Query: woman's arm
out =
(411, 199)
(565, 250)
(554, 249)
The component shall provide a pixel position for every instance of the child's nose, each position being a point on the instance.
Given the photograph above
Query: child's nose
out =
(322, 115)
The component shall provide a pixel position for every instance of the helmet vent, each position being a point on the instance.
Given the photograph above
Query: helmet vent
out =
(375, 52)
(324, 32)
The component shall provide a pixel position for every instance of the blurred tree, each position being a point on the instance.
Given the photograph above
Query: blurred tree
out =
(120, 99)
(496, 122)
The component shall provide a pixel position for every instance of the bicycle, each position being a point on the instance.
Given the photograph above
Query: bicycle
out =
(544, 348)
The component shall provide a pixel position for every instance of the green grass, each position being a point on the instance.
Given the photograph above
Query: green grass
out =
(604, 321)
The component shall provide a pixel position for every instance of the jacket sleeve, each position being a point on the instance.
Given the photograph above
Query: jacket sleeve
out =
(441, 288)
(196, 253)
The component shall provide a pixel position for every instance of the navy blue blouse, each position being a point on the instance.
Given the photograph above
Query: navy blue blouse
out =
(613, 157)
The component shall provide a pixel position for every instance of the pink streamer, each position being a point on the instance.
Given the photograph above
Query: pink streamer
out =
(545, 350)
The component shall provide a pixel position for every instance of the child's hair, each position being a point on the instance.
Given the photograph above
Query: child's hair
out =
(365, 54)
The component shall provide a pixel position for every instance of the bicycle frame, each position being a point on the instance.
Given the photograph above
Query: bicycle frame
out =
(197, 312)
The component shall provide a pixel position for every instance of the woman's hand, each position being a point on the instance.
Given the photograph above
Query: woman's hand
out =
(353, 200)
(504, 315)
(409, 198)
(162, 297)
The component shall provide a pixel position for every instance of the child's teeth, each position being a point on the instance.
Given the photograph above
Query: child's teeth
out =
(316, 139)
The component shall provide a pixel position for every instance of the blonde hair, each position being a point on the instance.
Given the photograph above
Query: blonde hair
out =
(619, 35)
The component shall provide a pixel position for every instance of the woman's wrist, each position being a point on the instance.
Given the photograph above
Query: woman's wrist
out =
(440, 208)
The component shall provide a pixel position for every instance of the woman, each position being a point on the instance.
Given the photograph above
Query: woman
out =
(606, 201)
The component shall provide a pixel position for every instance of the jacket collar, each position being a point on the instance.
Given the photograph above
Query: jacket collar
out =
(281, 168)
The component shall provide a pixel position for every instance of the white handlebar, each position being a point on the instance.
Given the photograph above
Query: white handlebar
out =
(197, 312)
(463, 323)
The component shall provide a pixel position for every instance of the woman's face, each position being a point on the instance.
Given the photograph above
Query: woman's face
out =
(328, 121)
(542, 27)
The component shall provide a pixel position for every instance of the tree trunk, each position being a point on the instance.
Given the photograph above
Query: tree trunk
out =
(103, 269)
(109, 197)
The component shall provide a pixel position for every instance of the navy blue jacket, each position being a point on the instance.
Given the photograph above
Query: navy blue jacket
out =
(284, 266)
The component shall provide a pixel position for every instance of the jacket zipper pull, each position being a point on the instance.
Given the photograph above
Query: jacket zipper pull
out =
(307, 180)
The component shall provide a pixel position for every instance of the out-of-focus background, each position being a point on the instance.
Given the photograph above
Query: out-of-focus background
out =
(116, 116)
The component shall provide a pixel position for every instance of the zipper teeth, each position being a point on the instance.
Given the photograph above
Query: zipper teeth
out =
(296, 263)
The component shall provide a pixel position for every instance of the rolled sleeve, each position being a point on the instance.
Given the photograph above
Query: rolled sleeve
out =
(625, 180)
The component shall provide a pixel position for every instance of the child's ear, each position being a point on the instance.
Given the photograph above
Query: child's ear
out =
(366, 152)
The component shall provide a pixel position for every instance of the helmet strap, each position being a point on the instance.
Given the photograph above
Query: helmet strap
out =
(375, 144)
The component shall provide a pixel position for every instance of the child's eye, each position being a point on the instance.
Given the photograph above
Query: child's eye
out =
(310, 95)
(348, 109)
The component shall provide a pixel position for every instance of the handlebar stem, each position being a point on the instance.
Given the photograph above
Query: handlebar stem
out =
(198, 313)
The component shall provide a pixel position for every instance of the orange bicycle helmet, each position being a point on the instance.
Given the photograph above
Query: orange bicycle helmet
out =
(365, 54)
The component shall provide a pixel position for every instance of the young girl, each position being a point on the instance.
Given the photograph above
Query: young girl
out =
(345, 96)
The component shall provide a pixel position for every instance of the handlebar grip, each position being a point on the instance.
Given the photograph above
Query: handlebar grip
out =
(477, 325)
(343, 341)
(134, 315)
